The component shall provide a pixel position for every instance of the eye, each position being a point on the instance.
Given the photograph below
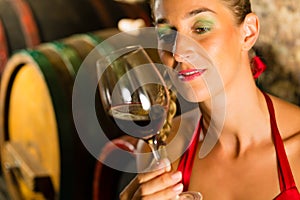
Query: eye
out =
(166, 34)
(202, 26)
(202, 30)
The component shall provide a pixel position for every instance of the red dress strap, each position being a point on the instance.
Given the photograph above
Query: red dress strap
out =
(287, 184)
(187, 160)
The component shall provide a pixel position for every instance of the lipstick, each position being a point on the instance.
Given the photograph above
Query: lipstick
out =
(190, 74)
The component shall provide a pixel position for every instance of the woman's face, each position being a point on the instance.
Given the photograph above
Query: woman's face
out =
(212, 25)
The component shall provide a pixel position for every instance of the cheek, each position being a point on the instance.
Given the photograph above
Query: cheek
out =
(224, 52)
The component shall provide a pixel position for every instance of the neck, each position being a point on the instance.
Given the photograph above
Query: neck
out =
(236, 119)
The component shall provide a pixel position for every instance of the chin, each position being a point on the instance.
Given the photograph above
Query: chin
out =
(194, 95)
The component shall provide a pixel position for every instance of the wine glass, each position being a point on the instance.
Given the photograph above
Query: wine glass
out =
(135, 96)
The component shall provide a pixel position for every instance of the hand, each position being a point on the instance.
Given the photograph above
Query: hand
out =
(161, 183)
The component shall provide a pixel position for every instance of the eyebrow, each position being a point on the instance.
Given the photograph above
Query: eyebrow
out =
(198, 11)
(188, 15)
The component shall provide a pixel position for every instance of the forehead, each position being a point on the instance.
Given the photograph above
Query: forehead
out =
(180, 8)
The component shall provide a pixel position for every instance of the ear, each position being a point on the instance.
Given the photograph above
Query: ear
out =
(250, 31)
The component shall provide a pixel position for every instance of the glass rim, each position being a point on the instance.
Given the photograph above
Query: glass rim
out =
(115, 54)
(121, 51)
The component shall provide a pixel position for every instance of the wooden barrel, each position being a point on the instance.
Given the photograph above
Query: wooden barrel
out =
(38, 115)
(3, 47)
(27, 23)
(41, 152)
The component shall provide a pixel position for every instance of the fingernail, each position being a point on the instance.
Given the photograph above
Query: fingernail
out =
(176, 176)
(178, 188)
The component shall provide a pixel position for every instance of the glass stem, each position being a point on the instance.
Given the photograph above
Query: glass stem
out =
(153, 144)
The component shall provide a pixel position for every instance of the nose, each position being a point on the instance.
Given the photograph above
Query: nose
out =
(173, 58)
(181, 48)
(177, 57)
(176, 48)
(167, 58)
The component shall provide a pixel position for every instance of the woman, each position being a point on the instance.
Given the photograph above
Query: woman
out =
(249, 159)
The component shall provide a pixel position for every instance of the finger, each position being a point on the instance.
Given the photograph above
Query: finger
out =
(156, 170)
(162, 182)
(131, 189)
(168, 193)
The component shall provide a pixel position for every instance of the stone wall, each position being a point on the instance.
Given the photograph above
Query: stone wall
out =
(279, 47)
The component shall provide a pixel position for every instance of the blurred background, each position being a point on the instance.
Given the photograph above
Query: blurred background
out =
(279, 47)
(42, 45)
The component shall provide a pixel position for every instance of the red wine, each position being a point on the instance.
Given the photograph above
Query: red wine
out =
(137, 122)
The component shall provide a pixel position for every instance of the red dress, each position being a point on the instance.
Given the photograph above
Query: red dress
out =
(287, 184)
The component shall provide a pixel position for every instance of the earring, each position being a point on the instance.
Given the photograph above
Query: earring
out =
(258, 67)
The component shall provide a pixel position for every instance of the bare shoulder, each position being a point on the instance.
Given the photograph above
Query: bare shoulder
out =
(288, 122)
(288, 118)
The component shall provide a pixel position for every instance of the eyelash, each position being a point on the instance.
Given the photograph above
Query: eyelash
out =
(202, 30)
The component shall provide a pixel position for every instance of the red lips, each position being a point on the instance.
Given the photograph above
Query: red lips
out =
(190, 74)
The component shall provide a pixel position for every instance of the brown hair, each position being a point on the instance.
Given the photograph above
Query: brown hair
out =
(240, 8)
